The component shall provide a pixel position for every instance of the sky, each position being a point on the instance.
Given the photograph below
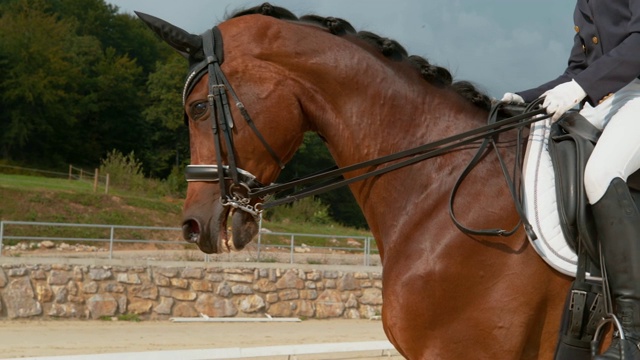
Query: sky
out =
(499, 45)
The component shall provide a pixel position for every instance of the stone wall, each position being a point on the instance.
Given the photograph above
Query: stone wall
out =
(159, 292)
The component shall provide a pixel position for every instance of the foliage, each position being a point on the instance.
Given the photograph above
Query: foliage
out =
(169, 148)
(176, 182)
(72, 81)
(312, 157)
(307, 210)
(125, 171)
(36, 86)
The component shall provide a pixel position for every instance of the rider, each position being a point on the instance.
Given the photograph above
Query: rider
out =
(602, 74)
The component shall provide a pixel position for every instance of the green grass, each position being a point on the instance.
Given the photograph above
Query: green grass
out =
(122, 317)
(129, 317)
(26, 182)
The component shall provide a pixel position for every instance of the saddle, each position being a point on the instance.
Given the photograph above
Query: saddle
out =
(571, 141)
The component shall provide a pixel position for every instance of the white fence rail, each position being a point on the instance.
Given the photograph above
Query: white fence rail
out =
(111, 235)
(384, 347)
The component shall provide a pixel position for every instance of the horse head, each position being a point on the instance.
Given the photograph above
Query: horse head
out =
(218, 135)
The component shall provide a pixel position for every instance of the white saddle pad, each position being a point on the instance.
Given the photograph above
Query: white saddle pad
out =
(540, 203)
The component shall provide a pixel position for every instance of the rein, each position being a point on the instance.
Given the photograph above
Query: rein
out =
(419, 153)
(511, 183)
(244, 187)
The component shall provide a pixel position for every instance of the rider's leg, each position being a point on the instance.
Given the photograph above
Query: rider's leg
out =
(615, 157)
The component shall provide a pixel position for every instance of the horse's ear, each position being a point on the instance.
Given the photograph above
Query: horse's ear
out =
(183, 42)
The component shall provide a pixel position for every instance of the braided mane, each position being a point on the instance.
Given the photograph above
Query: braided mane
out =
(434, 74)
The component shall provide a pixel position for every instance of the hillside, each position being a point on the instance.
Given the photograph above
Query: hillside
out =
(30, 198)
(42, 199)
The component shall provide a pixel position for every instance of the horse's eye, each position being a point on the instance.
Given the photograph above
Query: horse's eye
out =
(199, 109)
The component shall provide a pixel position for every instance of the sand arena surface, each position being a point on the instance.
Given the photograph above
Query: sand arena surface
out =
(29, 338)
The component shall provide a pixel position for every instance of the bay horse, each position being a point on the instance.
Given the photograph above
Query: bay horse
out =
(446, 294)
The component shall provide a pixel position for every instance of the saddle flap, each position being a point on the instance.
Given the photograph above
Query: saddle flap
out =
(571, 142)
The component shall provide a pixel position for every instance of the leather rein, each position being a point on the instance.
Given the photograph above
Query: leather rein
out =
(243, 187)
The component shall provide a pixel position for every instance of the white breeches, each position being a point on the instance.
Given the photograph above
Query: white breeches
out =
(617, 153)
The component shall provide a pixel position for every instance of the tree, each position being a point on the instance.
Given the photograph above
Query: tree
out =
(69, 89)
(111, 117)
(37, 83)
(123, 32)
(312, 157)
(169, 144)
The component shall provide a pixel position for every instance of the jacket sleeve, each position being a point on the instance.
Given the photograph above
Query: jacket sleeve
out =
(609, 72)
(618, 67)
(576, 63)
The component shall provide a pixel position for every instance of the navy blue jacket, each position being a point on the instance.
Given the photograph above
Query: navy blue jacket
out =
(606, 51)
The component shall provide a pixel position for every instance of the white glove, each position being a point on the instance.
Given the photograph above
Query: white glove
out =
(562, 98)
(512, 98)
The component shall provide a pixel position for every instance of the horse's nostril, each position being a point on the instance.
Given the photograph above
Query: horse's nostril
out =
(191, 231)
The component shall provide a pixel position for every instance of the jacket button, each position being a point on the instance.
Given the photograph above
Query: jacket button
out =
(577, 28)
(595, 40)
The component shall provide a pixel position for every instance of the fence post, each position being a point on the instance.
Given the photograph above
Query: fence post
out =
(70, 171)
(106, 186)
(95, 180)
(366, 251)
(259, 237)
(292, 241)
(1, 235)
(111, 244)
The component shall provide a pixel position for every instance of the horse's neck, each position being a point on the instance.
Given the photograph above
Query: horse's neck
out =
(364, 104)
(367, 106)
(371, 121)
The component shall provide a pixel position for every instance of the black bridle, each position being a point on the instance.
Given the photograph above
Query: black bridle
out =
(237, 194)
(239, 187)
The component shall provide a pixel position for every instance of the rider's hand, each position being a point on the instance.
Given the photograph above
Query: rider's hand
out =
(562, 98)
(512, 98)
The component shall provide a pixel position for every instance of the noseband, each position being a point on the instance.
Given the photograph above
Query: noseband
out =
(240, 182)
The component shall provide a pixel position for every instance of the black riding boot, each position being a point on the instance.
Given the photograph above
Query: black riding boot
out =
(618, 225)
